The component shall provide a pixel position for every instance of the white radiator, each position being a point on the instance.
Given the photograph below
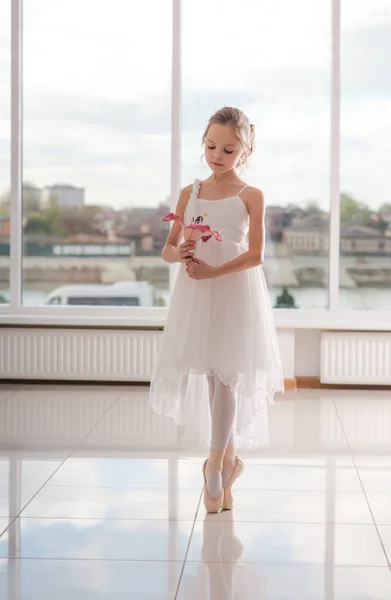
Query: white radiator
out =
(78, 354)
(356, 358)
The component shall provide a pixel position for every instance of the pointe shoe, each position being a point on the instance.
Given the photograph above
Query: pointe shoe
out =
(228, 501)
(212, 505)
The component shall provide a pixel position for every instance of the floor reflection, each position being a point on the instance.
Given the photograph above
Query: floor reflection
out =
(219, 576)
(111, 420)
(104, 496)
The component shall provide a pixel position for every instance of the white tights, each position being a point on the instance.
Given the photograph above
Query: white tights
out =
(222, 454)
(222, 411)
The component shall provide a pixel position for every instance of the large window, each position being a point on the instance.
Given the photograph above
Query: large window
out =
(271, 59)
(111, 129)
(5, 150)
(365, 262)
(96, 148)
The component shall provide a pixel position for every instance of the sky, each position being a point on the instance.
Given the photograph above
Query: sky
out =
(97, 84)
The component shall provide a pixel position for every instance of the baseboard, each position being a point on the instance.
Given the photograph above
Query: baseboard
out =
(74, 382)
(309, 383)
(290, 385)
(314, 383)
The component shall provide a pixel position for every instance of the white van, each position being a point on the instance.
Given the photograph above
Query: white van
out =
(122, 293)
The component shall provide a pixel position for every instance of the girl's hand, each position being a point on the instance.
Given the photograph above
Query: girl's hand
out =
(186, 251)
(198, 269)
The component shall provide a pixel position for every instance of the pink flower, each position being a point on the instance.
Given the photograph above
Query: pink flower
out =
(194, 232)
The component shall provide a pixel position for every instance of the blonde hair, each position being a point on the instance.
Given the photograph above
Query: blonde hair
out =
(240, 125)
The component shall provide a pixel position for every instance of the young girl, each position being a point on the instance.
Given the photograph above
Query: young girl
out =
(219, 341)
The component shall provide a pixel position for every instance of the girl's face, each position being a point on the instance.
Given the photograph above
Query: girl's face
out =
(223, 150)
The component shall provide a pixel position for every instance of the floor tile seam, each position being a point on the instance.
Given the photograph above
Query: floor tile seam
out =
(3, 531)
(295, 467)
(89, 559)
(56, 470)
(34, 440)
(272, 522)
(362, 485)
(125, 487)
(198, 561)
(127, 519)
(187, 549)
(34, 495)
(312, 565)
(292, 564)
(157, 487)
(197, 520)
(239, 562)
(95, 425)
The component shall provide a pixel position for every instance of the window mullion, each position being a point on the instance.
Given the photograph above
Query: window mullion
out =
(176, 107)
(334, 245)
(16, 242)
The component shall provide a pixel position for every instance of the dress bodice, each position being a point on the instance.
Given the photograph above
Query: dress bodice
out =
(228, 216)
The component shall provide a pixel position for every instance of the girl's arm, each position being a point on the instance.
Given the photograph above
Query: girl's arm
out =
(256, 236)
(170, 252)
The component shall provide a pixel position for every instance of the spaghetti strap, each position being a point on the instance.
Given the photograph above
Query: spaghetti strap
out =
(245, 187)
(193, 199)
(196, 187)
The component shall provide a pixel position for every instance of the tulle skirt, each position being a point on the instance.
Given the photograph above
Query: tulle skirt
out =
(224, 327)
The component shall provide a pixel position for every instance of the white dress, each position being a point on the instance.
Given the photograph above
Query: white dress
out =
(221, 326)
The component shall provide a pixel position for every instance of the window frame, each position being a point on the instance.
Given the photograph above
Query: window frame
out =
(16, 313)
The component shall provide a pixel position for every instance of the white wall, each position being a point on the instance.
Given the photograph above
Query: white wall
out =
(307, 353)
(286, 340)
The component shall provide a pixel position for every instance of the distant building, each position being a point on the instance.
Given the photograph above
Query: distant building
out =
(5, 226)
(32, 197)
(278, 218)
(65, 195)
(276, 221)
(363, 240)
(309, 235)
(146, 228)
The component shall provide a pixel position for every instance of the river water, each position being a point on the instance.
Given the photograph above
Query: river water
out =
(305, 298)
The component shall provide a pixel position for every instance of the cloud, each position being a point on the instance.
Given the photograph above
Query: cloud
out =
(97, 100)
(365, 64)
(149, 114)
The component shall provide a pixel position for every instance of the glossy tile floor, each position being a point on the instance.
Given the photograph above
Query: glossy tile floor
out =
(101, 498)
